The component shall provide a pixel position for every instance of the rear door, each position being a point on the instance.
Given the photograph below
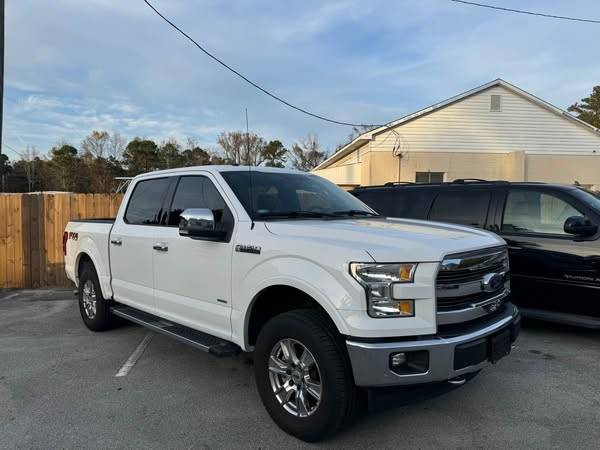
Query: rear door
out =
(551, 270)
(192, 278)
(131, 241)
(466, 206)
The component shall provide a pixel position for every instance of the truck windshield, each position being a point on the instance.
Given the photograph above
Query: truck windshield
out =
(292, 196)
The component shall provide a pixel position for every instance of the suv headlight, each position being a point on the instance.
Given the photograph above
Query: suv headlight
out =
(378, 281)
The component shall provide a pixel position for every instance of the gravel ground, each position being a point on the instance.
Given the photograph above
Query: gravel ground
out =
(58, 390)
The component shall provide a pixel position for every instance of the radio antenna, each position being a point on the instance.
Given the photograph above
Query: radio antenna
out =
(250, 173)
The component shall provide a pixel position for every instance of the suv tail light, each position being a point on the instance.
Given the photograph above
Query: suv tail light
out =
(64, 242)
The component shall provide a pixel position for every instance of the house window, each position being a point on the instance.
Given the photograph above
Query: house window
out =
(429, 177)
(495, 103)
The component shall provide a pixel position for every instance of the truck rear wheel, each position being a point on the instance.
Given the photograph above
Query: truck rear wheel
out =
(304, 376)
(94, 308)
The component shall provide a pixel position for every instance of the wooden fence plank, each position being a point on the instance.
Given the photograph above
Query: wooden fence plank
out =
(31, 227)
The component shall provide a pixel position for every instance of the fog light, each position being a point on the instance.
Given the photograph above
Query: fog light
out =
(397, 359)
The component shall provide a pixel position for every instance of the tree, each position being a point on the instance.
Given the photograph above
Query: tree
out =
(307, 154)
(193, 155)
(274, 154)
(141, 155)
(64, 164)
(356, 132)
(96, 144)
(169, 154)
(589, 108)
(116, 145)
(242, 148)
(5, 169)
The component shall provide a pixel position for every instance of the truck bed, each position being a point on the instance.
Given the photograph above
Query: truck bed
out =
(99, 220)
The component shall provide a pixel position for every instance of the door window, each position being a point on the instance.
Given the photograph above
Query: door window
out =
(199, 192)
(429, 177)
(146, 202)
(536, 212)
(463, 207)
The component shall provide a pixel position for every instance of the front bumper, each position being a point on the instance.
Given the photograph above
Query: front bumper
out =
(450, 353)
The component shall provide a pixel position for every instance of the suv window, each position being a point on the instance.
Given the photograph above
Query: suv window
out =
(536, 212)
(462, 207)
(199, 192)
(145, 202)
(398, 202)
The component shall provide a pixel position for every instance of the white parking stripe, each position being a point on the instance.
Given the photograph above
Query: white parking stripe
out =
(126, 368)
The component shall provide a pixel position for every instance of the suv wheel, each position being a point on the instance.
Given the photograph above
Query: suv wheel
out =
(304, 376)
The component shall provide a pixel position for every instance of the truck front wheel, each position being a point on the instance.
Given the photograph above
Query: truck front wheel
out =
(94, 308)
(303, 375)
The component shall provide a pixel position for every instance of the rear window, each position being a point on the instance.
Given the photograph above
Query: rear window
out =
(462, 207)
(146, 201)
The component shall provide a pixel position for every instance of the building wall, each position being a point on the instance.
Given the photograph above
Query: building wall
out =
(564, 169)
(470, 126)
(522, 142)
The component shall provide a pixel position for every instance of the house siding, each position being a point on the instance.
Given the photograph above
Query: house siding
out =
(470, 126)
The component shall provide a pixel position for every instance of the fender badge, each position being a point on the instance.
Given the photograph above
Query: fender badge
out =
(255, 249)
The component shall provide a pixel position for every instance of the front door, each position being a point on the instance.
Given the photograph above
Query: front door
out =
(192, 277)
(130, 245)
(551, 270)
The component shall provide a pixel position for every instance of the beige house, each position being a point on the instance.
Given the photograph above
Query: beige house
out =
(495, 131)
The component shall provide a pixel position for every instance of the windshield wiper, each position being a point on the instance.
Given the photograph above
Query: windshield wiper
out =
(293, 214)
(355, 212)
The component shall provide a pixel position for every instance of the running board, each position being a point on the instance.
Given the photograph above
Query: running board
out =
(562, 318)
(202, 341)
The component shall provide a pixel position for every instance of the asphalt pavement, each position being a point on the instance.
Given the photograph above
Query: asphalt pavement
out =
(59, 389)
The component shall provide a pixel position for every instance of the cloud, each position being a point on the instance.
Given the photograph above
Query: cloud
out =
(73, 66)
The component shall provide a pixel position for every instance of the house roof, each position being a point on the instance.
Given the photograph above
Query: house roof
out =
(367, 136)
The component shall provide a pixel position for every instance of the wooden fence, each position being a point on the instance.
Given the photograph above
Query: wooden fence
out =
(31, 227)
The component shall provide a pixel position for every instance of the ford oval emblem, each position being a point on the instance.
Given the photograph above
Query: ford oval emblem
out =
(491, 282)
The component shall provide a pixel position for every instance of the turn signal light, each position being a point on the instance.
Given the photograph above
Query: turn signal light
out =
(405, 307)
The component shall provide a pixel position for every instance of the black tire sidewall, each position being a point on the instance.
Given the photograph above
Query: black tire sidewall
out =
(102, 320)
(336, 380)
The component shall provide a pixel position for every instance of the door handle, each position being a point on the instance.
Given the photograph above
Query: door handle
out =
(161, 247)
(116, 242)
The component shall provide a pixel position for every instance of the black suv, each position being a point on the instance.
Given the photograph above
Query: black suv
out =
(551, 230)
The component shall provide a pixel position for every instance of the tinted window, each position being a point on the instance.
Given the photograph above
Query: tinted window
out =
(287, 193)
(146, 201)
(429, 177)
(536, 212)
(398, 202)
(199, 192)
(463, 207)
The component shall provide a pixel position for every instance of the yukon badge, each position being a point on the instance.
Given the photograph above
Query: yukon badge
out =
(255, 249)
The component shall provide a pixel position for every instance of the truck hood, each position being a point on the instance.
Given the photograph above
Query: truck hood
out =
(389, 239)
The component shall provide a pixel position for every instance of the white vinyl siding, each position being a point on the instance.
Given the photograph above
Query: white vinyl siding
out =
(469, 126)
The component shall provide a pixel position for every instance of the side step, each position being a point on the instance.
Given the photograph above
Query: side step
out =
(562, 318)
(202, 341)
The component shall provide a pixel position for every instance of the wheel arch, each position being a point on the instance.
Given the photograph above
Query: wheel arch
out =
(268, 303)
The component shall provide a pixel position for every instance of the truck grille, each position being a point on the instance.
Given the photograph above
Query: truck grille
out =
(468, 282)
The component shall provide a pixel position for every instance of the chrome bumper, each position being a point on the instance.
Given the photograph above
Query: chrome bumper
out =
(371, 360)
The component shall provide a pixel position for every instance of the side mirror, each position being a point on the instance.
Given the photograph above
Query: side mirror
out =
(199, 223)
(580, 226)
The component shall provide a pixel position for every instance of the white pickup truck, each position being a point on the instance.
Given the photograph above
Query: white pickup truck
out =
(331, 297)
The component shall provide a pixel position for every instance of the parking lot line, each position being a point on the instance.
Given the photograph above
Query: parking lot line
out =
(133, 358)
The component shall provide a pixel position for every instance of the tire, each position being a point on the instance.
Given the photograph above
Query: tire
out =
(93, 307)
(300, 331)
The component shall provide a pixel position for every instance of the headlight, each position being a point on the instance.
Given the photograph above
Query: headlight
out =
(378, 280)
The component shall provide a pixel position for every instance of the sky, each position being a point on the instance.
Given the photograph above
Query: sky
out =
(73, 66)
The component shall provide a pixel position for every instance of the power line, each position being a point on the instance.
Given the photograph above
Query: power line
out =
(252, 83)
(531, 13)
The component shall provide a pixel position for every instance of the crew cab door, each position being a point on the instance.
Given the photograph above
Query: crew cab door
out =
(192, 277)
(551, 270)
(130, 244)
